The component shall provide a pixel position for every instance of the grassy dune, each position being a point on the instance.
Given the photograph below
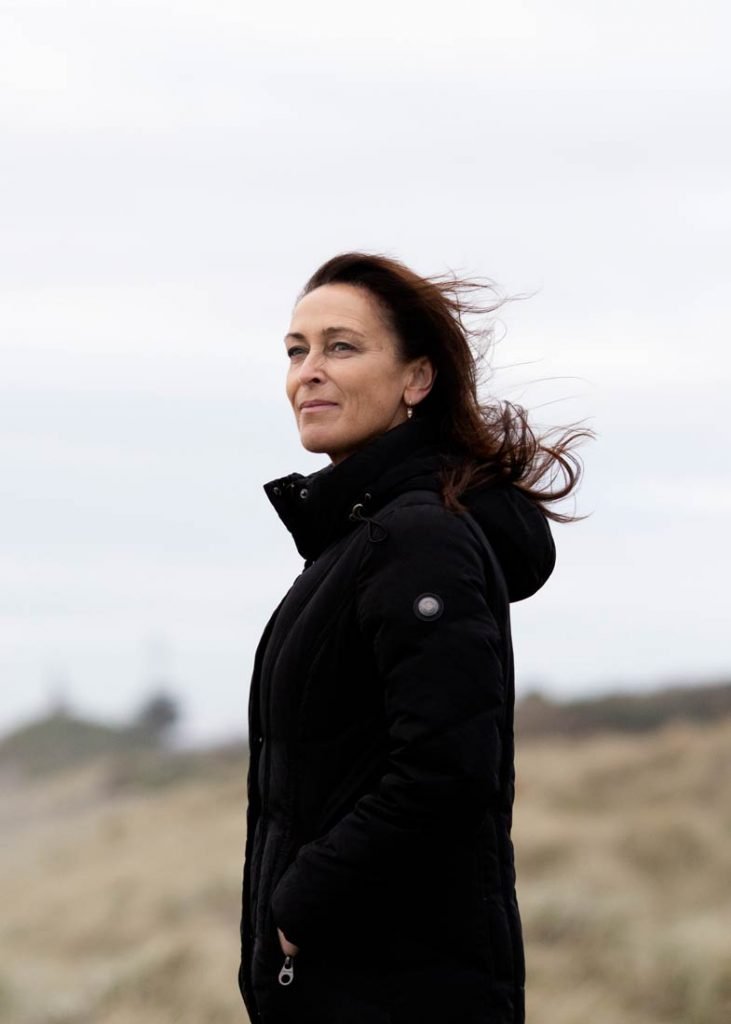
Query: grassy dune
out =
(120, 905)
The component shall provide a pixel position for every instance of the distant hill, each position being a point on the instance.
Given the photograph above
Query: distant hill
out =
(61, 740)
(537, 715)
(138, 755)
(134, 756)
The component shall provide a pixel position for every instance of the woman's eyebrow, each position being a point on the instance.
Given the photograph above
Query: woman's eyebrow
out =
(327, 332)
(342, 330)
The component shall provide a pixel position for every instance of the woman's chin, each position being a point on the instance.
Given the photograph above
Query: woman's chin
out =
(320, 443)
(316, 440)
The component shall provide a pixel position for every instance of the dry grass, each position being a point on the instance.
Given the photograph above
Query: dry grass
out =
(624, 850)
(123, 907)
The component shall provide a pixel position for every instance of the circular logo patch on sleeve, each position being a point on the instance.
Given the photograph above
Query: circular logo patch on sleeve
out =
(428, 607)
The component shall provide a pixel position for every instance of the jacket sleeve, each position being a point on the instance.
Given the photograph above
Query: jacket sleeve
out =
(421, 599)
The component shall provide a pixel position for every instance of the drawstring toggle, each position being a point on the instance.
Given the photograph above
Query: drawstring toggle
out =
(374, 527)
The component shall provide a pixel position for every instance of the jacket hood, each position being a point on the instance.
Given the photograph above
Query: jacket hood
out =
(518, 533)
(318, 508)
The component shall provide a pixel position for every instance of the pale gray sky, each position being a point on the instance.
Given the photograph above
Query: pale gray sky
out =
(172, 174)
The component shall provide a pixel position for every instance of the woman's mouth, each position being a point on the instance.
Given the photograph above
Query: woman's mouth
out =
(317, 406)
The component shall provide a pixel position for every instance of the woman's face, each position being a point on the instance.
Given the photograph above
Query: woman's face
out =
(345, 381)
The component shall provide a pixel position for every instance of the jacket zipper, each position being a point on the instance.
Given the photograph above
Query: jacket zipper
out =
(286, 974)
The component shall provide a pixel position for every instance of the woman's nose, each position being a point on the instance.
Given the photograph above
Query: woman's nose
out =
(311, 367)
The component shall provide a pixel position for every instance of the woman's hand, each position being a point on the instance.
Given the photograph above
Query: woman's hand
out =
(288, 948)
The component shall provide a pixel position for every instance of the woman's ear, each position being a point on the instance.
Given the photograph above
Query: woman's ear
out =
(420, 380)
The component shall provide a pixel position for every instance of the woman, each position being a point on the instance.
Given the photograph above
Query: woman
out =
(379, 879)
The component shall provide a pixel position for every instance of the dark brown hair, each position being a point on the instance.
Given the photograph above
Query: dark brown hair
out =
(494, 439)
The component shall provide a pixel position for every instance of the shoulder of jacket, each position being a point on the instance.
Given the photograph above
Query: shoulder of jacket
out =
(422, 517)
(419, 524)
(418, 502)
(421, 499)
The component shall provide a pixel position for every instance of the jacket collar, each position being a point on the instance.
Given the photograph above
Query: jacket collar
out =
(316, 508)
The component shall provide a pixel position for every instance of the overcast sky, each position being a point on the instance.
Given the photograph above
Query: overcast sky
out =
(171, 175)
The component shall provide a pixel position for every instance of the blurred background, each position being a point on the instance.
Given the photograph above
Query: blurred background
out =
(171, 175)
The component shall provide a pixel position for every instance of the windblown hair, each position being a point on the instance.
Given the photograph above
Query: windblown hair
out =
(494, 440)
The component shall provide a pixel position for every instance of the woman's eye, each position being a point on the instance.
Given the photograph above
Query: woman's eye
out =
(297, 350)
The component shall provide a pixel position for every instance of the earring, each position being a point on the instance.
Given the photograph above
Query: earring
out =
(409, 411)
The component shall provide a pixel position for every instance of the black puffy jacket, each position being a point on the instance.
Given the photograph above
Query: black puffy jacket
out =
(381, 777)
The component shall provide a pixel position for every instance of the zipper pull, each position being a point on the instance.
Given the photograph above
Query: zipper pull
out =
(286, 975)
